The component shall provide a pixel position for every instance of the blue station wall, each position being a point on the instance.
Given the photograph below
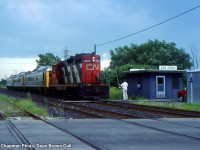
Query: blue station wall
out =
(147, 88)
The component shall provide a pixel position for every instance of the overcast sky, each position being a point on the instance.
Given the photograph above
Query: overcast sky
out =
(31, 27)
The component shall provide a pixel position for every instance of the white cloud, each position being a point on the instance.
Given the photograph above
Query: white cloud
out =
(105, 60)
(105, 63)
(11, 66)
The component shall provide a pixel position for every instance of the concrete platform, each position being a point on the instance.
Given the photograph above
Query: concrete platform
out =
(141, 134)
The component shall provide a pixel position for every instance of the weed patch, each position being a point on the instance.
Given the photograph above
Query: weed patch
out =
(115, 93)
(25, 104)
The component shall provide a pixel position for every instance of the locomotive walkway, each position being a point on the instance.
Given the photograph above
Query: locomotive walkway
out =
(113, 134)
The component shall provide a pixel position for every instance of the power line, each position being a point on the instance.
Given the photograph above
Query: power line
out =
(149, 27)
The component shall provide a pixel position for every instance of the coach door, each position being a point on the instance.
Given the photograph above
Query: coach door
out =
(160, 86)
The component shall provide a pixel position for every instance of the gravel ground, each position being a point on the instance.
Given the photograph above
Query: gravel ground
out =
(123, 110)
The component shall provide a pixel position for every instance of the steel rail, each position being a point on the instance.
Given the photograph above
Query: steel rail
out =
(161, 130)
(23, 139)
(82, 110)
(160, 110)
(57, 103)
(107, 112)
(18, 135)
(156, 119)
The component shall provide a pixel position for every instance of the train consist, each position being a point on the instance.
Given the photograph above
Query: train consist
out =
(79, 76)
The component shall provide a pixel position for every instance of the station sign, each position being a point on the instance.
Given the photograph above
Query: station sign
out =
(161, 67)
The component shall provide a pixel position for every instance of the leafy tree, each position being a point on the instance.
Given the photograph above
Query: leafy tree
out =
(147, 56)
(47, 59)
(152, 53)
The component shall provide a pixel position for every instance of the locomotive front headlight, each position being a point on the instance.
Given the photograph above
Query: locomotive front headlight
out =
(93, 59)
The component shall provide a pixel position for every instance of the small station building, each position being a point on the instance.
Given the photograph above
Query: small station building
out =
(155, 84)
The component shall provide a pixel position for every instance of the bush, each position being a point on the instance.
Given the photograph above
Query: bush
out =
(115, 93)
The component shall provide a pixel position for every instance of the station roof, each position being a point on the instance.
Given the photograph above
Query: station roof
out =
(195, 70)
(137, 71)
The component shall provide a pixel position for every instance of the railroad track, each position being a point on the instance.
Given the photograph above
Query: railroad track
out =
(120, 109)
(22, 140)
(168, 112)
(160, 129)
(88, 111)
(17, 134)
(108, 109)
(99, 147)
(102, 112)
(58, 105)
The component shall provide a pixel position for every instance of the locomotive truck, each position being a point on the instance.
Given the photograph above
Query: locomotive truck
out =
(78, 76)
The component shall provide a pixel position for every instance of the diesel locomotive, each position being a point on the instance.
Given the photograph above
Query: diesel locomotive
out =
(78, 76)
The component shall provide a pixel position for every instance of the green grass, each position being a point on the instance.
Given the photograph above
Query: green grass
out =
(183, 106)
(25, 104)
(195, 107)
